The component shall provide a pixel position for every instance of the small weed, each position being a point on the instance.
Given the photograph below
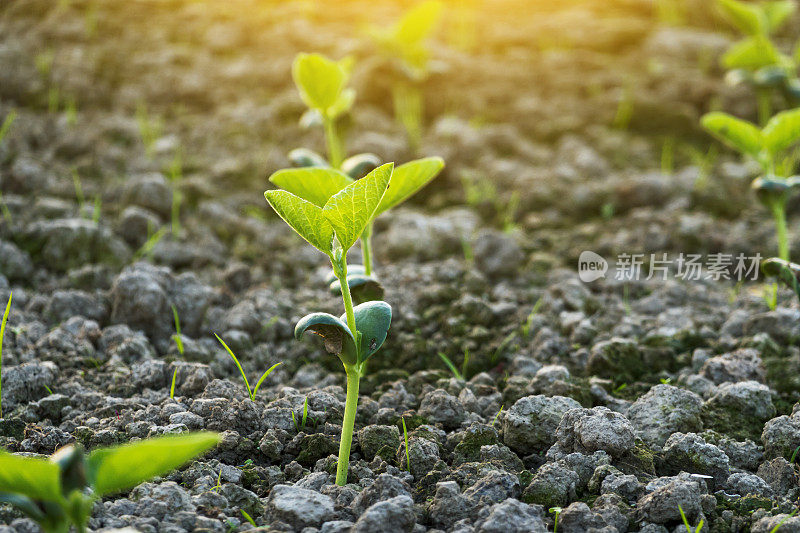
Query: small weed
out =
(7, 122)
(301, 426)
(2, 335)
(557, 512)
(172, 386)
(146, 250)
(775, 529)
(526, 327)
(177, 335)
(251, 392)
(458, 375)
(497, 416)
(405, 441)
(248, 518)
(686, 523)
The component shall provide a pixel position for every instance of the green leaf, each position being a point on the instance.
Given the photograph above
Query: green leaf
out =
(782, 131)
(751, 53)
(343, 104)
(409, 178)
(34, 477)
(351, 209)
(303, 157)
(418, 23)
(123, 467)
(372, 321)
(319, 80)
(315, 185)
(304, 217)
(736, 133)
(777, 12)
(336, 335)
(748, 18)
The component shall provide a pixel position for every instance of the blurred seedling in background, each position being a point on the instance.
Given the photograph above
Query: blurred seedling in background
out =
(333, 228)
(317, 186)
(60, 491)
(774, 148)
(689, 528)
(556, 511)
(146, 250)
(460, 375)
(405, 444)
(177, 336)
(322, 84)
(786, 272)
(301, 426)
(250, 391)
(2, 336)
(755, 59)
(151, 128)
(172, 385)
(407, 43)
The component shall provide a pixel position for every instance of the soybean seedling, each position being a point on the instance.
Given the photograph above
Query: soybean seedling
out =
(406, 43)
(250, 391)
(755, 59)
(557, 512)
(2, 335)
(686, 522)
(322, 84)
(60, 491)
(318, 186)
(7, 122)
(333, 228)
(772, 147)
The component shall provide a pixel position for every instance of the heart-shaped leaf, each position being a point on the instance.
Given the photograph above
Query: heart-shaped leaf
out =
(736, 133)
(751, 53)
(360, 164)
(782, 131)
(123, 467)
(363, 288)
(409, 178)
(315, 185)
(303, 157)
(304, 217)
(334, 331)
(372, 321)
(749, 18)
(351, 209)
(319, 80)
(36, 478)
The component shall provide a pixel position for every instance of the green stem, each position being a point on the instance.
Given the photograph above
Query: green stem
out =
(366, 249)
(348, 423)
(334, 142)
(779, 214)
(764, 97)
(341, 272)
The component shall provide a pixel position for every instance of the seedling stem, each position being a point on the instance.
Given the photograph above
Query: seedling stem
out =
(335, 148)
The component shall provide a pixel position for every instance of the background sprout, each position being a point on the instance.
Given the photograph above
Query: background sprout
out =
(406, 42)
(318, 185)
(788, 273)
(250, 391)
(772, 147)
(334, 228)
(2, 335)
(755, 59)
(60, 491)
(322, 84)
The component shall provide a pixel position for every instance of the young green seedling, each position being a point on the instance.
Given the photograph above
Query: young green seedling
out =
(556, 511)
(60, 492)
(2, 335)
(773, 148)
(686, 522)
(7, 122)
(406, 42)
(317, 185)
(302, 425)
(177, 336)
(755, 59)
(788, 273)
(172, 386)
(251, 392)
(333, 228)
(405, 443)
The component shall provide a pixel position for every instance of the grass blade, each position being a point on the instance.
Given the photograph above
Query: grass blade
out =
(263, 377)
(450, 365)
(172, 387)
(235, 360)
(2, 334)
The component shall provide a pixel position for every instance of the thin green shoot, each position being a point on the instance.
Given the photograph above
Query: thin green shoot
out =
(665, 381)
(251, 392)
(302, 425)
(794, 455)
(98, 209)
(526, 327)
(2, 334)
(686, 522)
(7, 122)
(147, 248)
(451, 366)
(248, 518)
(620, 388)
(405, 441)
(770, 296)
(71, 111)
(172, 386)
(177, 336)
(497, 416)
(49, 390)
(775, 529)
(557, 511)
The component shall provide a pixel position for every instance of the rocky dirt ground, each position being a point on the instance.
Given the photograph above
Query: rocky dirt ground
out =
(620, 401)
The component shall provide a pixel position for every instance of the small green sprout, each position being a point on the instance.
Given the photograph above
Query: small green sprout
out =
(755, 59)
(405, 443)
(49, 390)
(788, 273)
(458, 375)
(318, 186)
(251, 392)
(772, 147)
(151, 128)
(248, 518)
(2, 335)
(333, 228)
(557, 512)
(71, 111)
(98, 209)
(794, 455)
(60, 491)
(787, 517)
(526, 328)
(172, 386)
(7, 122)
(146, 250)
(177, 335)
(302, 425)
(686, 522)
(406, 42)
(497, 416)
